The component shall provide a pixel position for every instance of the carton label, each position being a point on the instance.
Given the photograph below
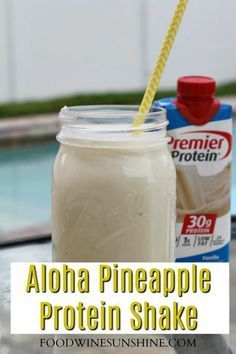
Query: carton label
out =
(201, 224)
(202, 156)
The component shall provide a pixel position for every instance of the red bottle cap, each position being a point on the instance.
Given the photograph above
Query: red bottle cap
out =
(196, 86)
(196, 99)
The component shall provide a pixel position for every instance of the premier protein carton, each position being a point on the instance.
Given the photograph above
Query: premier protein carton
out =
(200, 130)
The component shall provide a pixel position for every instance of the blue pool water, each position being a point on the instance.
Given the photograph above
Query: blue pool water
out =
(25, 185)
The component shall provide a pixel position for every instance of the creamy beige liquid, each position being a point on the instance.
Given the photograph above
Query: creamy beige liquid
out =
(113, 203)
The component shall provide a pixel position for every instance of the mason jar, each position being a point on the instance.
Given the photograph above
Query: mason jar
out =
(114, 187)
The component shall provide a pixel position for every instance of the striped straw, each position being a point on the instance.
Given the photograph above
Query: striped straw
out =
(161, 63)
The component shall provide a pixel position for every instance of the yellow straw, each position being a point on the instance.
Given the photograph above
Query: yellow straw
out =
(161, 63)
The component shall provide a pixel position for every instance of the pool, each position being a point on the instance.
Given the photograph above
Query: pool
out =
(25, 185)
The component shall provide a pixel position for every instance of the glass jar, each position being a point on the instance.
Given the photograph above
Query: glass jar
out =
(113, 193)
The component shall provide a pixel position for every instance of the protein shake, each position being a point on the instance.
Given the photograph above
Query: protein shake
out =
(113, 191)
(201, 140)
